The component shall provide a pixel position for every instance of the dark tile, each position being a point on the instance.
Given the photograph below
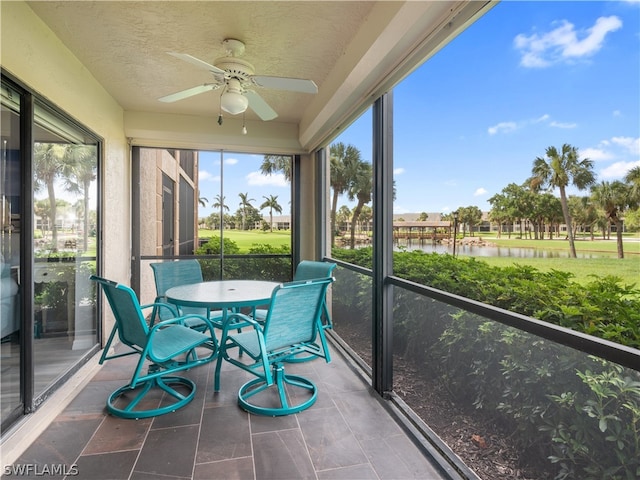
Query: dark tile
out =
(92, 398)
(401, 450)
(224, 434)
(190, 414)
(338, 378)
(169, 451)
(233, 469)
(329, 439)
(366, 417)
(117, 434)
(281, 455)
(106, 466)
(61, 443)
(262, 423)
(356, 472)
(153, 476)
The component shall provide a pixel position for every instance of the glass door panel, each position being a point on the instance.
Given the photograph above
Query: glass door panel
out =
(65, 232)
(11, 399)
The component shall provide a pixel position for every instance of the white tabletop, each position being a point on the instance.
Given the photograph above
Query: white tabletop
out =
(222, 294)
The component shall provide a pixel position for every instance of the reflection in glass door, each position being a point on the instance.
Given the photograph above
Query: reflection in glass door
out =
(11, 400)
(65, 163)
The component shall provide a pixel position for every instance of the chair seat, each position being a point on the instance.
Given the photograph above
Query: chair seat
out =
(167, 347)
(175, 338)
(292, 326)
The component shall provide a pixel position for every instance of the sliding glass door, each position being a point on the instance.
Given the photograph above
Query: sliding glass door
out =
(48, 250)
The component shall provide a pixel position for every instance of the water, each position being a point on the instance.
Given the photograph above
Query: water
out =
(513, 252)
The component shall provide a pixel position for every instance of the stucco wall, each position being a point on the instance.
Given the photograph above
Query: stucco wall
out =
(37, 58)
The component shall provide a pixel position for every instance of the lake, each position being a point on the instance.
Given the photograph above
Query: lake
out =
(481, 251)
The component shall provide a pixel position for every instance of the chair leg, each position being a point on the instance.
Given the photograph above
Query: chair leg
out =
(165, 384)
(281, 381)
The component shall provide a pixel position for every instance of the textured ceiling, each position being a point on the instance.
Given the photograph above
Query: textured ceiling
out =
(124, 45)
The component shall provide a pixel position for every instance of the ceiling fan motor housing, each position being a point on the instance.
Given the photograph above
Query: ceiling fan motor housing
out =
(236, 68)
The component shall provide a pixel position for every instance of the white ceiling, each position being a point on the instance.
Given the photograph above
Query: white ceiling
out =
(351, 50)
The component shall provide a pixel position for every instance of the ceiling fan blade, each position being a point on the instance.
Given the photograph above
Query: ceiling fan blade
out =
(284, 83)
(189, 92)
(197, 62)
(258, 105)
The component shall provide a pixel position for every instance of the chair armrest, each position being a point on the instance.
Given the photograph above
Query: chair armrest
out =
(157, 305)
(240, 320)
(180, 321)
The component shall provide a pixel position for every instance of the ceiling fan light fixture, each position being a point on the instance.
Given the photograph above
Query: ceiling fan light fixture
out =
(234, 103)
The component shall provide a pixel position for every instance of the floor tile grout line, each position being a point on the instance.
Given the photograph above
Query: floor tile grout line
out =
(204, 402)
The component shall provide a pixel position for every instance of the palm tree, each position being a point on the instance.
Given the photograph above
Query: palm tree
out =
(219, 203)
(80, 168)
(344, 161)
(562, 169)
(360, 189)
(276, 163)
(48, 166)
(613, 198)
(272, 204)
(203, 201)
(245, 202)
(633, 178)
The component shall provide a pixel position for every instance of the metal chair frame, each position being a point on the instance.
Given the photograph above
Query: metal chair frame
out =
(169, 345)
(292, 327)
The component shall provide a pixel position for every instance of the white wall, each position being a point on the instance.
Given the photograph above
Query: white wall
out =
(37, 58)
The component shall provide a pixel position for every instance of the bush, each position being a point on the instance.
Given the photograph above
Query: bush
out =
(562, 409)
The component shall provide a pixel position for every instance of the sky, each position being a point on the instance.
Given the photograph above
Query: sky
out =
(473, 118)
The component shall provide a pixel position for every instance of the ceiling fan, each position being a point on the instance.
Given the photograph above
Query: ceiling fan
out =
(238, 78)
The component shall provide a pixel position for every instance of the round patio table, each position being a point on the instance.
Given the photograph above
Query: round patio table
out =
(223, 294)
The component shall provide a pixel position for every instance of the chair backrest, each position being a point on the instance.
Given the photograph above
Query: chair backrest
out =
(308, 269)
(175, 273)
(293, 313)
(130, 322)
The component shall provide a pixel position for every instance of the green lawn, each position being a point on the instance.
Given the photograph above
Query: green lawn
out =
(627, 269)
(583, 269)
(246, 238)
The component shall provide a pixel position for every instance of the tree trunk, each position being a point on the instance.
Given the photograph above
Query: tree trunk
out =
(354, 220)
(619, 237)
(334, 207)
(567, 221)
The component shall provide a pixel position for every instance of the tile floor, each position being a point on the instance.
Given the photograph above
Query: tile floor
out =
(346, 434)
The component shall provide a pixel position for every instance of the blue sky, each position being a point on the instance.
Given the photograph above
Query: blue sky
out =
(472, 119)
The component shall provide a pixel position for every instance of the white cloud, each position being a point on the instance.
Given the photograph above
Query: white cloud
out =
(562, 125)
(617, 113)
(275, 180)
(398, 171)
(564, 43)
(230, 161)
(503, 127)
(480, 191)
(511, 126)
(632, 145)
(205, 176)
(595, 154)
(617, 170)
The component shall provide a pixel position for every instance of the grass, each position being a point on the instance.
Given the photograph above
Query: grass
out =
(583, 269)
(245, 239)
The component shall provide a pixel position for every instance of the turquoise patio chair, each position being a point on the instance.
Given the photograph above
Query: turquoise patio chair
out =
(169, 345)
(307, 270)
(292, 326)
(173, 274)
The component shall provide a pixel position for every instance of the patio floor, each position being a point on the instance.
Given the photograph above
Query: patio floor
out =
(346, 434)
